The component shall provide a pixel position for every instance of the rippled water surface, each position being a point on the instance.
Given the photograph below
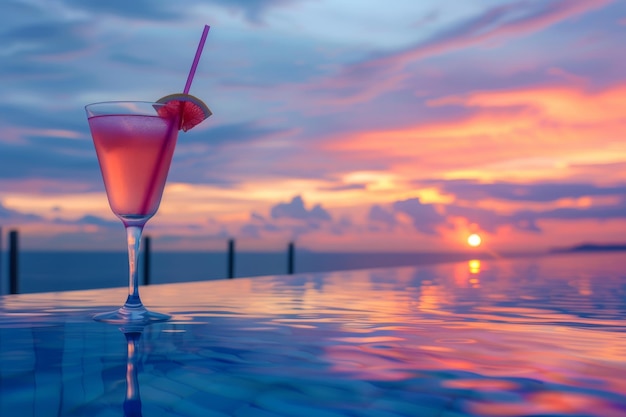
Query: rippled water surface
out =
(527, 337)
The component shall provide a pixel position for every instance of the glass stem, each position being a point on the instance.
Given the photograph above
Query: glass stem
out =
(133, 236)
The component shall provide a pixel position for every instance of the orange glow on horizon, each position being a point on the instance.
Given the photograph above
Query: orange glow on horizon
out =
(541, 133)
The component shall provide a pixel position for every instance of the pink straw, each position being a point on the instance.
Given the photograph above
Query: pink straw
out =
(196, 59)
(192, 72)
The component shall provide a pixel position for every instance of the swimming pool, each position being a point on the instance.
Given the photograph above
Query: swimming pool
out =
(518, 337)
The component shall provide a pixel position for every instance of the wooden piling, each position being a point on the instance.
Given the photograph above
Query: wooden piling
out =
(1, 279)
(146, 259)
(290, 256)
(231, 258)
(13, 261)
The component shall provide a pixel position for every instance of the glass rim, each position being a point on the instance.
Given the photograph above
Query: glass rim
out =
(123, 107)
(121, 102)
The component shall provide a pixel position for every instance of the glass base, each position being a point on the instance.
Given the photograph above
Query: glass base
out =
(135, 315)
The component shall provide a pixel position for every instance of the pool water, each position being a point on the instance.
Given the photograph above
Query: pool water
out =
(524, 337)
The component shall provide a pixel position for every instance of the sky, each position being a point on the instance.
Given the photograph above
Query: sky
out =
(341, 125)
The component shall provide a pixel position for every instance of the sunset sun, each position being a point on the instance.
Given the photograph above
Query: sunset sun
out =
(474, 240)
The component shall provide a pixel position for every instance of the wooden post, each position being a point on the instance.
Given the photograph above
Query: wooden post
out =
(146, 260)
(231, 258)
(1, 261)
(13, 259)
(290, 253)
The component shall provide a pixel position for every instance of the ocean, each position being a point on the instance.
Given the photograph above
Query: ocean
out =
(64, 271)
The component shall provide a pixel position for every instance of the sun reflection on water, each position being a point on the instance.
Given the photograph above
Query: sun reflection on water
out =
(474, 266)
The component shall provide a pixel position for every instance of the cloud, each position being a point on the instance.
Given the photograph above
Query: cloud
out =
(468, 196)
(35, 36)
(529, 220)
(378, 214)
(384, 72)
(295, 209)
(50, 158)
(528, 134)
(229, 154)
(91, 220)
(509, 20)
(239, 132)
(12, 216)
(536, 192)
(344, 226)
(132, 10)
(425, 217)
(9, 216)
(259, 225)
(132, 60)
(490, 220)
(587, 171)
(293, 219)
(253, 10)
(257, 216)
(251, 230)
(344, 187)
(259, 230)
(558, 103)
(46, 38)
(600, 213)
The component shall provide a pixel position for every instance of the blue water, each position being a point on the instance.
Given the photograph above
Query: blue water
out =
(63, 271)
(532, 337)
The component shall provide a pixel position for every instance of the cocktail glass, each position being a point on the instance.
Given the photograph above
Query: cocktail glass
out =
(134, 145)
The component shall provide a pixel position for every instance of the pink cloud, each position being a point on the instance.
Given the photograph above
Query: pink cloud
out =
(364, 80)
(538, 126)
(508, 21)
(566, 76)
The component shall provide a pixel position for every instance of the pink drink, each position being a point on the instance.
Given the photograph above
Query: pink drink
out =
(135, 152)
(135, 141)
